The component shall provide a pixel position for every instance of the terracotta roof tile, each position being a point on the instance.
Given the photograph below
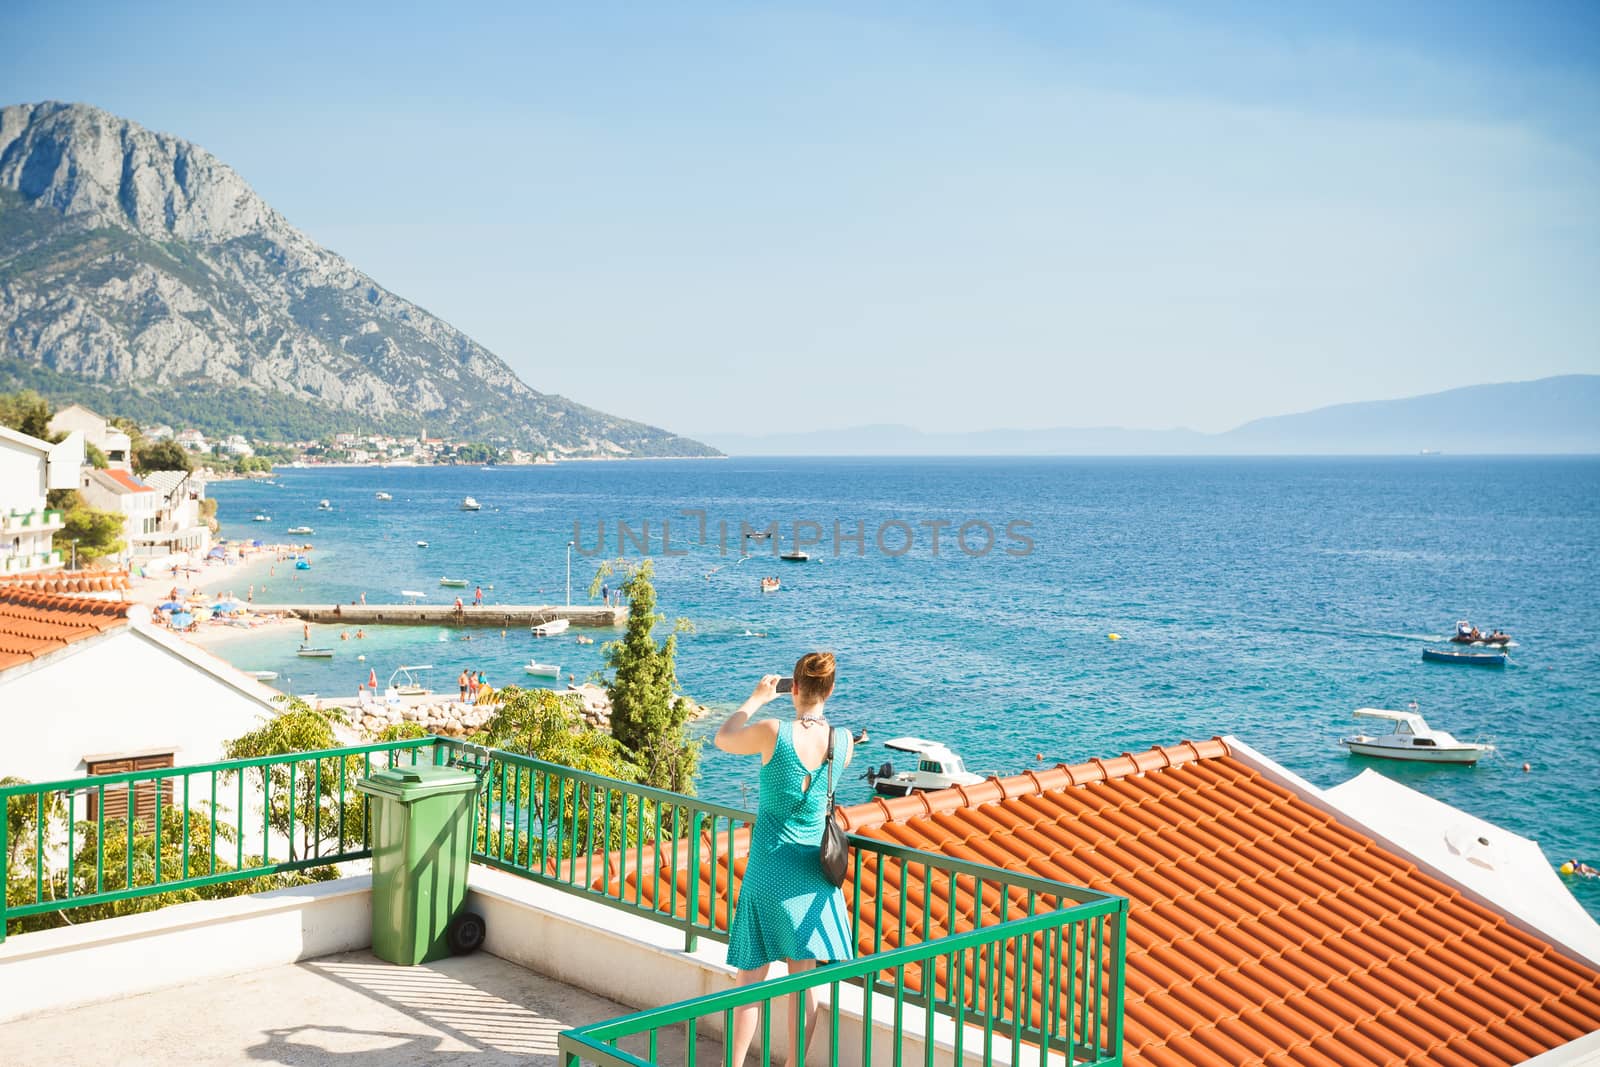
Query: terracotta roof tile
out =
(1262, 930)
(126, 480)
(35, 623)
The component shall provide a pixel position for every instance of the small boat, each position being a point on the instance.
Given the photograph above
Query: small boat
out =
(796, 555)
(937, 768)
(301, 530)
(323, 505)
(1464, 659)
(413, 595)
(542, 670)
(262, 518)
(770, 585)
(758, 535)
(551, 628)
(310, 652)
(1412, 739)
(408, 685)
(422, 544)
(263, 676)
(469, 504)
(385, 496)
(1468, 634)
(454, 583)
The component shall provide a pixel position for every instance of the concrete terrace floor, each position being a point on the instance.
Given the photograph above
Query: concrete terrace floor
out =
(350, 1010)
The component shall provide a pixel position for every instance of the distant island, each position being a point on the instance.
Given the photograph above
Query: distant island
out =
(1559, 415)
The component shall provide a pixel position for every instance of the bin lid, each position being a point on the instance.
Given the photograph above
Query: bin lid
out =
(413, 783)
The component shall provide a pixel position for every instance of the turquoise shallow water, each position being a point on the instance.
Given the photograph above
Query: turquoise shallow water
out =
(1264, 598)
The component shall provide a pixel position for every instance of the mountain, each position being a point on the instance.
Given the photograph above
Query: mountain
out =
(137, 267)
(1551, 415)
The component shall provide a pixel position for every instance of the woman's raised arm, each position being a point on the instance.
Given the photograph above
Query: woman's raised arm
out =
(742, 737)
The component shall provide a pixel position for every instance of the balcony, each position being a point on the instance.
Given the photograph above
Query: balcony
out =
(597, 894)
(38, 520)
(30, 562)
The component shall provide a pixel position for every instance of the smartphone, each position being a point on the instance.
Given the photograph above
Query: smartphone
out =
(785, 685)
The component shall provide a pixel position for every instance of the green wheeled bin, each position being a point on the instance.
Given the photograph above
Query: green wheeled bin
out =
(421, 847)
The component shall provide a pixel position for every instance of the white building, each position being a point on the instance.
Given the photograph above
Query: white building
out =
(94, 690)
(29, 469)
(138, 504)
(193, 440)
(236, 445)
(181, 525)
(96, 431)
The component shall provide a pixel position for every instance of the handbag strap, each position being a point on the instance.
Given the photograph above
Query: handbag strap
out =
(829, 762)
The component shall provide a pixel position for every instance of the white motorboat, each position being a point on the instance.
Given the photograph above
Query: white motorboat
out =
(385, 496)
(323, 505)
(405, 683)
(262, 518)
(308, 652)
(413, 595)
(796, 555)
(551, 628)
(454, 583)
(422, 544)
(470, 504)
(937, 768)
(1412, 739)
(542, 670)
(301, 530)
(263, 676)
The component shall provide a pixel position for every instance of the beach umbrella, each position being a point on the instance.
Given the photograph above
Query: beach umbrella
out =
(257, 543)
(182, 620)
(228, 607)
(217, 553)
(171, 605)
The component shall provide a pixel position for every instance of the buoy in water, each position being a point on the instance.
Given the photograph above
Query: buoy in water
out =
(1113, 637)
(361, 659)
(1526, 767)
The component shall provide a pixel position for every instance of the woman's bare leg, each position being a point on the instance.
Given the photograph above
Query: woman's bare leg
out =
(810, 1013)
(746, 1018)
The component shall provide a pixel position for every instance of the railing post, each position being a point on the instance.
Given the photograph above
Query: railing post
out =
(1118, 978)
(5, 861)
(691, 911)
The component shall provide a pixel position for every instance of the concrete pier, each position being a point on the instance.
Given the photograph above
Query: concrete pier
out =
(498, 616)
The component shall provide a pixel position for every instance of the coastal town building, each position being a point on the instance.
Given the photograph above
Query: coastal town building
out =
(122, 492)
(114, 444)
(193, 440)
(29, 469)
(236, 445)
(139, 696)
(180, 519)
(161, 432)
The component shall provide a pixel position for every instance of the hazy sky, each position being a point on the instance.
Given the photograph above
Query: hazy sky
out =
(753, 216)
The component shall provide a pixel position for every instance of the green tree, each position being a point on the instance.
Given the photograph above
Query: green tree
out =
(325, 816)
(548, 725)
(161, 456)
(648, 716)
(98, 533)
(28, 412)
(94, 457)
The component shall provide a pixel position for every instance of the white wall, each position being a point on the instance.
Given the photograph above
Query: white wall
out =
(126, 691)
(22, 477)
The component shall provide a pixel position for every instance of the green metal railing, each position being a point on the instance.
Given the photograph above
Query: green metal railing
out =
(190, 827)
(935, 928)
(1019, 958)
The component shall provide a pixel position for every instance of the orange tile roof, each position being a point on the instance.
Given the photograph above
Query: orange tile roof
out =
(34, 624)
(68, 582)
(1262, 930)
(126, 480)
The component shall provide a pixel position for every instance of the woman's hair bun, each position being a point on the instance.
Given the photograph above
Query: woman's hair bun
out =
(816, 665)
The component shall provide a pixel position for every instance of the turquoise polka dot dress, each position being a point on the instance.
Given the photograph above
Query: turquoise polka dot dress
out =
(787, 909)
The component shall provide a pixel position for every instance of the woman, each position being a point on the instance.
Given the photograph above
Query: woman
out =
(787, 909)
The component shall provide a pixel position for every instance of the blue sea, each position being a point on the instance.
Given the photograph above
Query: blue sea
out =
(1264, 598)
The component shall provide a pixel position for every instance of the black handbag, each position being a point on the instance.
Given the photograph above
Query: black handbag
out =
(835, 848)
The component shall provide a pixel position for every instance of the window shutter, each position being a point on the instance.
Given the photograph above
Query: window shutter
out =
(144, 793)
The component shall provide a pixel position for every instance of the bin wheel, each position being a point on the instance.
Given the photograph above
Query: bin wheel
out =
(465, 933)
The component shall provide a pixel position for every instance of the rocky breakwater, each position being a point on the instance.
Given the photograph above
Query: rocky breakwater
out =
(441, 715)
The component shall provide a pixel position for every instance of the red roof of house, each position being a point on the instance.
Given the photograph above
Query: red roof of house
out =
(126, 480)
(1262, 931)
(33, 624)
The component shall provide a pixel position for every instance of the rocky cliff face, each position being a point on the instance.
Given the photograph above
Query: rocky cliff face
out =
(136, 262)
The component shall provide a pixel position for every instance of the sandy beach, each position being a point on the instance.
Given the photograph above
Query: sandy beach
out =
(242, 575)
